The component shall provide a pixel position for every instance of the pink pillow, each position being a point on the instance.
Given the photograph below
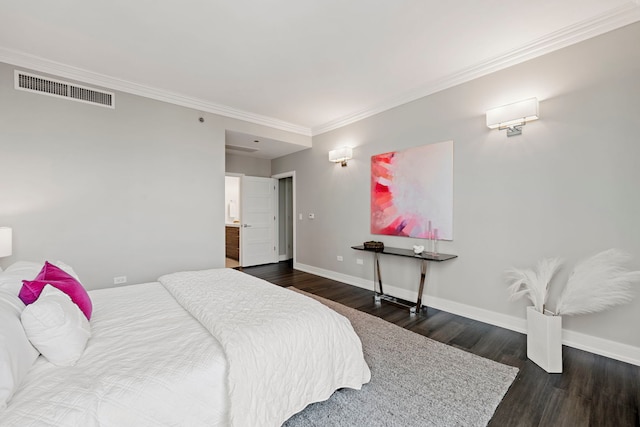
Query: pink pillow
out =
(58, 278)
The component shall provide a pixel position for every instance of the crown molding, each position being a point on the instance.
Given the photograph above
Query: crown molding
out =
(58, 69)
(600, 24)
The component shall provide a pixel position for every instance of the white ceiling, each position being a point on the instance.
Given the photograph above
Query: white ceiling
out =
(305, 66)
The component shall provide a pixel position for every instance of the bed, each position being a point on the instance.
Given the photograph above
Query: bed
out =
(215, 347)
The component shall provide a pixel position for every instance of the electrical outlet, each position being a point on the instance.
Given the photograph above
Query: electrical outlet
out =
(339, 257)
(312, 216)
(359, 261)
(119, 280)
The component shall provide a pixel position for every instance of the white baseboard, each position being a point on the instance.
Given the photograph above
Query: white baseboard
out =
(603, 347)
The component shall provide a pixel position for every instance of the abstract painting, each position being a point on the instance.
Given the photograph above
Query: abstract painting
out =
(412, 192)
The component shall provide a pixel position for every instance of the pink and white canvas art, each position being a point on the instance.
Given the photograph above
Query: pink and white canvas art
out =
(412, 192)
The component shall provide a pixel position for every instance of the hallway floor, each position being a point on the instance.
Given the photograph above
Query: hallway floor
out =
(231, 263)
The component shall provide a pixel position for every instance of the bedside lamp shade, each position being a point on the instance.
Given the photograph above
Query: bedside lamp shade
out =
(5, 241)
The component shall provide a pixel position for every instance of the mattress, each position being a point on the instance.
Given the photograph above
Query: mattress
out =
(169, 371)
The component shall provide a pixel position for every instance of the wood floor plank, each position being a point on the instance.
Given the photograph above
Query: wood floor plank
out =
(564, 410)
(592, 391)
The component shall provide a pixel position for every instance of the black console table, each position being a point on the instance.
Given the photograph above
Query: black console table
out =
(424, 257)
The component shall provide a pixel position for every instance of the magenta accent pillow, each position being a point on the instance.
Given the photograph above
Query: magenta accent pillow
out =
(58, 278)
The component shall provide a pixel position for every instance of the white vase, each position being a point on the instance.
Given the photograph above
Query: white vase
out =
(544, 340)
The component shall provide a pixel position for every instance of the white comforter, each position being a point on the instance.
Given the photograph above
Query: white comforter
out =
(148, 363)
(284, 350)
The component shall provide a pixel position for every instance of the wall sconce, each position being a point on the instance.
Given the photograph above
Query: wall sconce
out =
(5, 242)
(513, 116)
(341, 155)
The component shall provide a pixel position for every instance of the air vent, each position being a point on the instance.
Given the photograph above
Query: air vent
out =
(60, 89)
(239, 148)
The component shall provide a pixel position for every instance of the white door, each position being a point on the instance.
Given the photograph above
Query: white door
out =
(258, 233)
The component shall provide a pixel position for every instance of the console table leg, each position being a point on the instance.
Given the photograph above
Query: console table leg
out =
(423, 275)
(376, 272)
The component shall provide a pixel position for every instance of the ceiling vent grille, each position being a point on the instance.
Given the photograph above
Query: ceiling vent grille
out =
(61, 89)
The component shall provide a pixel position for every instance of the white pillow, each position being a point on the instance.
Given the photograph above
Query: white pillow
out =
(16, 352)
(67, 268)
(11, 278)
(56, 327)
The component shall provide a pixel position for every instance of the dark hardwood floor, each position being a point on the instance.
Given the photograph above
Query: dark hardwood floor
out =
(592, 391)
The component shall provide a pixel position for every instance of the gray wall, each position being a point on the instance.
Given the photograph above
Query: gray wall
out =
(567, 187)
(137, 191)
(249, 166)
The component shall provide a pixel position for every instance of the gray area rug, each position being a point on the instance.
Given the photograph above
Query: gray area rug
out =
(415, 381)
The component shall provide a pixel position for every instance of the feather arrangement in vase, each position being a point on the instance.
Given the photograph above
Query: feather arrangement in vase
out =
(596, 284)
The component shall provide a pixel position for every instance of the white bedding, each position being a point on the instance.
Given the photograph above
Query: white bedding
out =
(167, 371)
(225, 349)
(284, 350)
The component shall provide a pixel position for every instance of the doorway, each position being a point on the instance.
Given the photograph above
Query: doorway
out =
(286, 216)
(232, 220)
(235, 218)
